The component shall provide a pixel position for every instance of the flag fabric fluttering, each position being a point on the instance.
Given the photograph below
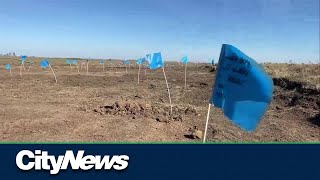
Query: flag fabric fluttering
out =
(68, 61)
(212, 61)
(141, 61)
(156, 61)
(73, 61)
(148, 57)
(8, 66)
(44, 64)
(242, 88)
(184, 60)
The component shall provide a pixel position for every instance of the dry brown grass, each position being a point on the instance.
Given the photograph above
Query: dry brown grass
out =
(309, 74)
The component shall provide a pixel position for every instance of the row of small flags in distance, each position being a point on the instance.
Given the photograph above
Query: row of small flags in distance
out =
(43, 64)
(154, 62)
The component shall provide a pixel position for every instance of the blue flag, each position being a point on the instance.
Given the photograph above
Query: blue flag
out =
(8, 66)
(242, 89)
(212, 61)
(23, 58)
(101, 61)
(44, 63)
(141, 60)
(148, 57)
(73, 61)
(156, 61)
(126, 61)
(184, 60)
(68, 61)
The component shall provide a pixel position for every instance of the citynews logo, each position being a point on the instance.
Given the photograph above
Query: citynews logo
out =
(40, 160)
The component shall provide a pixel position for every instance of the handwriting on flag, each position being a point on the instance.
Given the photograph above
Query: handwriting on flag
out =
(242, 88)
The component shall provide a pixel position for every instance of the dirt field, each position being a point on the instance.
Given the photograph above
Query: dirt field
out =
(111, 106)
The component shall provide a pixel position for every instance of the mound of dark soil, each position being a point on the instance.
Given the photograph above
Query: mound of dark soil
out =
(293, 85)
(293, 93)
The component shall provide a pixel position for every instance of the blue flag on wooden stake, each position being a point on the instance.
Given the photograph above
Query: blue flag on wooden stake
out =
(8, 66)
(101, 61)
(68, 61)
(242, 89)
(44, 63)
(156, 61)
(184, 60)
(73, 61)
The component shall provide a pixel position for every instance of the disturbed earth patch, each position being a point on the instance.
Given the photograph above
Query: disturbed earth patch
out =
(135, 110)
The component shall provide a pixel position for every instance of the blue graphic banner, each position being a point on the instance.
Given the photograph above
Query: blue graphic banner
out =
(161, 161)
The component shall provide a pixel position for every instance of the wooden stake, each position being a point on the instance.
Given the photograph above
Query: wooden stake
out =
(185, 77)
(139, 74)
(29, 67)
(165, 77)
(78, 68)
(87, 67)
(206, 128)
(55, 78)
(21, 69)
(82, 65)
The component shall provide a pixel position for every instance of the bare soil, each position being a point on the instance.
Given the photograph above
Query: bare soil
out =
(112, 106)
